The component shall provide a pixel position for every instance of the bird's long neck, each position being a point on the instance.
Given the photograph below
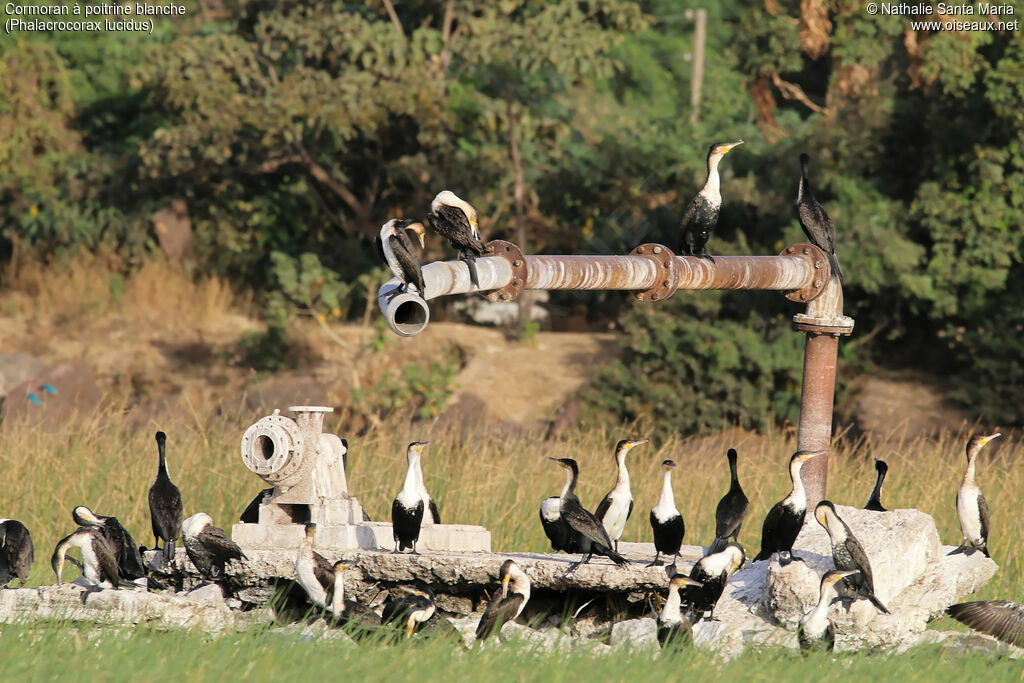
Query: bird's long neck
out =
(338, 603)
(734, 480)
(797, 494)
(972, 459)
(876, 493)
(161, 468)
(667, 497)
(821, 609)
(412, 476)
(712, 186)
(570, 485)
(670, 612)
(623, 476)
(804, 188)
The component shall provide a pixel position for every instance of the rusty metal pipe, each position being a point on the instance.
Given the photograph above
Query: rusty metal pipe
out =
(815, 431)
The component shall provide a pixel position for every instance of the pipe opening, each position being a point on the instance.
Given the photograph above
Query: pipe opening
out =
(265, 446)
(408, 315)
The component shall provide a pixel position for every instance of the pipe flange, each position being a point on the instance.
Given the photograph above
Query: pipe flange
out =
(837, 327)
(515, 257)
(822, 272)
(668, 272)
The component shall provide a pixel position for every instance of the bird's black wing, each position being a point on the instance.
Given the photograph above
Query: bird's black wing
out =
(602, 507)
(165, 510)
(380, 249)
(454, 226)
(323, 571)
(729, 514)
(984, 515)
(412, 271)
(590, 527)
(1000, 618)
(499, 610)
(860, 559)
(19, 537)
(251, 514)
(434, 511)
(129, 560)
(107, 560)
(771, 532)
(222, 548)
(629, 512)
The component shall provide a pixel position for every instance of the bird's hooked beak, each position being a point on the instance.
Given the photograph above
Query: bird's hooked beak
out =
(410, 626)
(687, 581)
(668, 465)
(819, 515)
(732, 145)
(637, 442)
(848, 572)
(504, 587)
(990, 437)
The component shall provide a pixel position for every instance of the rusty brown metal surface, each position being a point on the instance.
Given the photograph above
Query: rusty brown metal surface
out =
(667, 284)
(819, 261)
(815, 431)
(514, 255)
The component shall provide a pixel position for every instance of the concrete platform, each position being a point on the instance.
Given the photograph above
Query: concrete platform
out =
(360, 536)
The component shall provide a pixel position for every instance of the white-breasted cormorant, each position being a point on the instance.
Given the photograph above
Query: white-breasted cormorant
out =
(126, 551)
(16, 551)
(783, 523)
(313, 572)
(731, 510)
(701, 215)
(208, 547)
(397, 244)
(431, 515)
(558, 531)
(971, 506)
(999, 618)
(616, 507)
(165, 503)
(410, 611)
(875, 499)
(455, 220)
(508, 602)
(673, 629)
(349, 614)
(815, 630)
(815, 222)
(592, 537)
(848, 553)
(712, 572)
(408, 507)
(99, 563)
(666, 522)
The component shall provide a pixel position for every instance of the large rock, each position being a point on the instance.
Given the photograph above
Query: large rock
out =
(636, 634)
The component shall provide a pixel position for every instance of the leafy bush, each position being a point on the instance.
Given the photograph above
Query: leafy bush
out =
(416, 390)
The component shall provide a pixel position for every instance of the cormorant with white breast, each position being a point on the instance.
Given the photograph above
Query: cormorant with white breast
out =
(616, 507)
(455, 220)
(666, 522)
(165, 503)
(815, 222)
(673, 629)
(398, 249)
(313, 572)
(875, 499)
(558, 531)
(508, 602)
(408, 506)
(593, 539)
(999, 618)
(208, 547)
(16, 551)
(99, 564)
(358, 619)
(701, 215)
(126, 551)
(848, 553)
(410, 611)
(971, 506)
(815, 629)
(712, 572)
(431, 515)
(783, 523)
(731, 510)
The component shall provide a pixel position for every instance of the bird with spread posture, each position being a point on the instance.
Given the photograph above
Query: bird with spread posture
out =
(815, 222)
(408, 507)
(848, 553)
(666, 522)
(786, 518)
(712, 572)
(971, 506)
(397, 244)
(165, 503)
(508, 602)
(673, 629)
(701, 215)
(349, 613)
(592, 537)
(558, 531)
(16, 551)
(455, 220)
(208, 547)
(409, 611)
(129, 559)
(875, 499)
(815, 629)
(99, 564)
(731, 510)
(616, 507)
(313, 572)
(999, 618)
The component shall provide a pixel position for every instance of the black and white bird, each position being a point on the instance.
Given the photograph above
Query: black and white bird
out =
(431, 514)
(971, 506)
(712, 572)
(99, 563)
(456, 221)
(313, 572)
(592, 537)
(557, 530)
(408, 508)
(126, 551)
(508, 602)
(359, 619)
(208, 547)
(999, 618)
(666, 522)
(783, 523)
(165, 509)
(731, 510)
(410, 611)
(616, 507)
(397, 244)
(16, 551)
(815, 222)
(848, 553)
(673, 629)
(815, 630)
(875, 499)
(701, 215)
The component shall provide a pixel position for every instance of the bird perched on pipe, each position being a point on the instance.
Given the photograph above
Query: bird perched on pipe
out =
(848, 553)
(592, 537)
(617, 506)
(731, 510)
(456, 220)
(557, 530)
(971, 506)
(397, 247)
(701, 215)
(815, 221)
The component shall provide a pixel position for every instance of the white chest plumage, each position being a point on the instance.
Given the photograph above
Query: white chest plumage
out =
(968, 512)
(618, 512)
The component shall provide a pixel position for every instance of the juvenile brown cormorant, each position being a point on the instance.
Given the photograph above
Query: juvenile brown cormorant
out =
(165, 503)
(409, 611)
(508, 602)
(408, 507)
(815, 630)
(712, 572)
(666, 522)
(558, 531)
(455, 220)
(313, 572)
(349, 613)
(971, 506)
(126, 551)
(208, 547)
(875, 500)
(673, 629)
(848, 553)
(731, 510)
(592, 539)
(397, 243)
(999, 618)
(815, 222)
(616, 507)
(786, 518)
(701, 215)
(16, 551)
(99, 564)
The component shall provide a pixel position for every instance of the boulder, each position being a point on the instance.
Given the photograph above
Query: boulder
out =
(639, 635)
(210, 594)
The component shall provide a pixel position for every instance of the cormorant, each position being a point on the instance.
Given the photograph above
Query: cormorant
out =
(349, 613)
(398, 249)
(786, 518)
(673, 629)
(701, 215)
(165, 504)
(313, 572)
(848, 553)
(971, 506)
(408, 506)
(16, 551)
(592, 537)
(507, 603)
(126, 551)
(408, 612)
(616, 507)
(666, 522)
(431, 515)
(1000, 618)
(99, 564)
(712, 572)
(815, 222)
(731, 510)
(558, 531)
(875, 500)
(251, 514)
(208, 547)
(815, 629)
(455, 220)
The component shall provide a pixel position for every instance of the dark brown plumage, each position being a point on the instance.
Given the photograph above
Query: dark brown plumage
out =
(1000, 618)
(815, 221)
(165, 508)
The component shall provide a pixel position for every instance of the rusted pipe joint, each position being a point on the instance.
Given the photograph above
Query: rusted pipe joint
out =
(668, 271)
(514, 255)
(822, 274)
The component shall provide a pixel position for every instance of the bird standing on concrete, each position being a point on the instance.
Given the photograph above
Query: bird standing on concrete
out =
(875, 499)
(815, 222)
(971, 506)
(666, 522)
(165, 509)
(786, 518)
(208, 547)
(848, 553)
(701, 215)
(731, 510)
(313, 572)
(592, 537)
(712, 572)
(17, 553)
(508, 602)
(557, 530)
(616, 507)
(99, 564)
(126, 551)
(456, 221)
(408, 506)
(815, 629)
